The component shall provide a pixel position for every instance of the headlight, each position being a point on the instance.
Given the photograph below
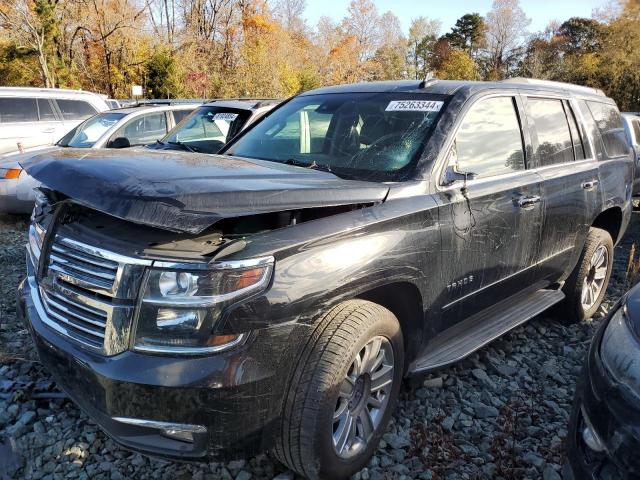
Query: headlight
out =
(620, 352)
(180, 308)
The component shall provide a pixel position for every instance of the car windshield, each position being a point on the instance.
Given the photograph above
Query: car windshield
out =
(208, 128)
(89, 132)
(366, 136)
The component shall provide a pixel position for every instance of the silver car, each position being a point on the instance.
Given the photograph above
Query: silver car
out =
(120, 128)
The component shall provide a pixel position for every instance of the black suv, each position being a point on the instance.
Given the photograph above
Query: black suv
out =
(273, 297)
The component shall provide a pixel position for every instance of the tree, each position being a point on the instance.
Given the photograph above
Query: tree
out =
(468, 34)
(422, 35)
(290, 14)
(582, 35)
(506, 26)
(33, 26)
(160, 69)
(458, 66)
(363, 24)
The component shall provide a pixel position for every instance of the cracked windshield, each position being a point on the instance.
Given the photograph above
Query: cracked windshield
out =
(363, 136)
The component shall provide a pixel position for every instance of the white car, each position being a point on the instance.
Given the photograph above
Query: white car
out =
(120, 128)
(31, 117)
(212, 125)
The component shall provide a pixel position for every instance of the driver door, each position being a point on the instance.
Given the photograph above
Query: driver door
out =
(492, 212)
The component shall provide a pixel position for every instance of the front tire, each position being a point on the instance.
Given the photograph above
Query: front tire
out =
(587, 284)
(343, 392)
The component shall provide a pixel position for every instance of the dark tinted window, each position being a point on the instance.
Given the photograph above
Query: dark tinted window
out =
(178, 115)
(14, 109)
(554, 139)
(578, 148)
(489, 140)
(45, 110)
(610, 125)
(75, 109)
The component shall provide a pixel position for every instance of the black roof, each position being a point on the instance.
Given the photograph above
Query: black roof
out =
(450, 87)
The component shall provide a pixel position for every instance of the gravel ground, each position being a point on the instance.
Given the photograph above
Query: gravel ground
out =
(502, 413)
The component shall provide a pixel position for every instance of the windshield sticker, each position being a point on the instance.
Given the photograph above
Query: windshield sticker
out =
(229, 117)
(414, 106)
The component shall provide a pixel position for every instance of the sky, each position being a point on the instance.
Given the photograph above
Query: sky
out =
(541, 12)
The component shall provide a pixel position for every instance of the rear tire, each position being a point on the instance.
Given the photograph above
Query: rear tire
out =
(343, 392)
(587, 284)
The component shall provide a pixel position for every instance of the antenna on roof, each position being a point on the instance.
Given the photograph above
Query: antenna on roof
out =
(429, 79)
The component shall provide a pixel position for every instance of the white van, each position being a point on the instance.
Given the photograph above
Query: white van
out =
(30, 117)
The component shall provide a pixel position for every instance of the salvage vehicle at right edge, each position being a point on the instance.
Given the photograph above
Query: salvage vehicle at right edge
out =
(604, 430)
(273, 297)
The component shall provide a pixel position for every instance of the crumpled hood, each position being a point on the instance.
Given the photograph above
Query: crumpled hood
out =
(13, 159)
(189, 192)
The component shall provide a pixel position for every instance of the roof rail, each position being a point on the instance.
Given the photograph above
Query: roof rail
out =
(554, 84)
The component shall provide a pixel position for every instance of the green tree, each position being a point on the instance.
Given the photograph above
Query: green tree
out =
(160, 70)
(468, 34)
(581, 35)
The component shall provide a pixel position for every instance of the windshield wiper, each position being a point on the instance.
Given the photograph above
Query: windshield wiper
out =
(183, 145)
(313, 165)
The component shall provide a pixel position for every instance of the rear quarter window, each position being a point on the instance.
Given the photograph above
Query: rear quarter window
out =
(75, 109)
(611, 128)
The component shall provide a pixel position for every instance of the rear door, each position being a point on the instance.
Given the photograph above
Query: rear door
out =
(26, 121)
(570, 182)
(490, 225)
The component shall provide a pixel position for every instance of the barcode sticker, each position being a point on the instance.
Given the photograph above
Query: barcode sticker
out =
(229, 117)
(414, 106)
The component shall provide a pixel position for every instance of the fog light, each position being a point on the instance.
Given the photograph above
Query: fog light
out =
(590, 437)
(182, 435)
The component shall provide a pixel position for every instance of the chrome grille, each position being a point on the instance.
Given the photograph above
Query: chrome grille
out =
(84, 323)
(87, 293)
(81, 266)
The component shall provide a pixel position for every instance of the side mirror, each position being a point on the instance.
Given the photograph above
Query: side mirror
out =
(453, 174)
(119, 142)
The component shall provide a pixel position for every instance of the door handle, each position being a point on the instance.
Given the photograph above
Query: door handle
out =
(529, 202)
(49, 130)
(590, 185)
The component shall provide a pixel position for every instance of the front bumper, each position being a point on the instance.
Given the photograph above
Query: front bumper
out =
(613, 416)
(232, 398)
(17, 195)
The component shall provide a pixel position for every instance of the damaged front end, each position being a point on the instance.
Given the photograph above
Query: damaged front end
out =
(145, 306)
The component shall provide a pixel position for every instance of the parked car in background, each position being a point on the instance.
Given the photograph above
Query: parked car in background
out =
(120, 128)
(274, 296)
(604, 430)
(212, 125)
(30, 117)
(113, 104)
(632, 131)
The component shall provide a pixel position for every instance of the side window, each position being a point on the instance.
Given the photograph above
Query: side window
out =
(489, 140)
(75, 109)
(578, 147)
(14, 110)
(636, 130)
(609, 123)
(554, 138)
(178, 115)
(45, 111)
(592, 128)
(144, 129)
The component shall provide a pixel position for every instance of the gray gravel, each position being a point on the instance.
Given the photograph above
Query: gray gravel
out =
(502, 413)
